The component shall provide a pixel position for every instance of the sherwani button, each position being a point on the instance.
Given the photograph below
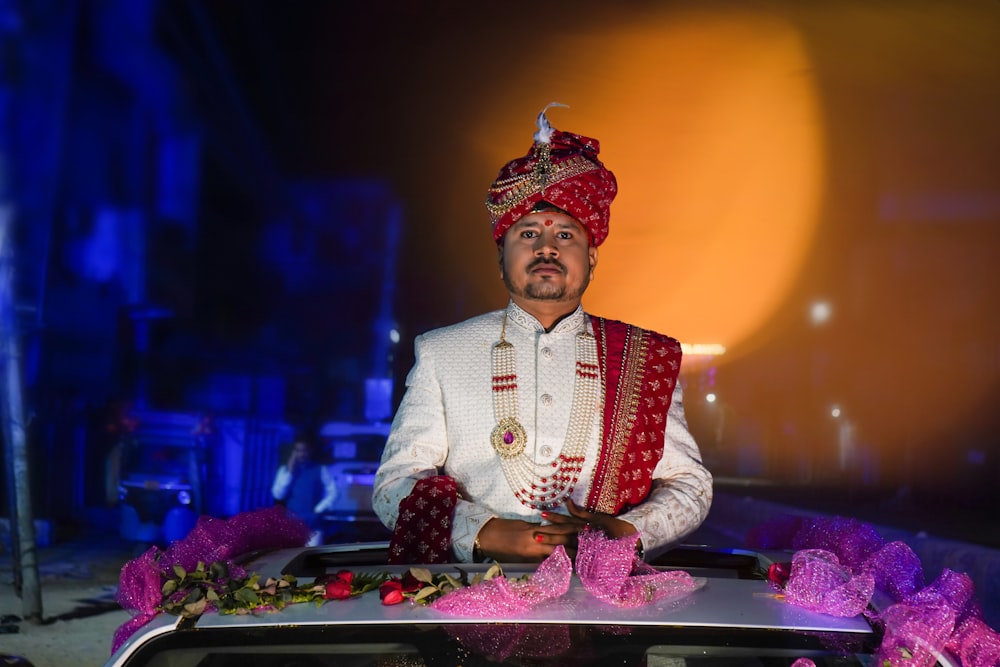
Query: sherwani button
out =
(546, 399)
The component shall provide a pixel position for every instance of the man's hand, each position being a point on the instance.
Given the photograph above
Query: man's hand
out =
(579, 517)
(294, 459)
(516, 541)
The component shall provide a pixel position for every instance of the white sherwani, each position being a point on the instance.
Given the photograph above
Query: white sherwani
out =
(444, 422)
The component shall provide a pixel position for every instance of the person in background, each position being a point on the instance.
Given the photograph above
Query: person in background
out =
(305, 487)
(521, 427)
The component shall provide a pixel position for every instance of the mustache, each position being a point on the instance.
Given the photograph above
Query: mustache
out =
(546, 260)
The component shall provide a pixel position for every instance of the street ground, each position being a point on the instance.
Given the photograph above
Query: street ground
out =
(78, 581)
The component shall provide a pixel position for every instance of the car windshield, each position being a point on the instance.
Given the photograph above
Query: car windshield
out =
(159, 460)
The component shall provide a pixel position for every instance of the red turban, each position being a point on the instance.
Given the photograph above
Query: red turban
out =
(562, 169)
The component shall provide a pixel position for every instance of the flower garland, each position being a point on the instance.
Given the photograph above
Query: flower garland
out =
(420, 586)
(212, 540)
(228, 590)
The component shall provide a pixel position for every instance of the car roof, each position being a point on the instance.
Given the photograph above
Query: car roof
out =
(724, 600)
(729, 600)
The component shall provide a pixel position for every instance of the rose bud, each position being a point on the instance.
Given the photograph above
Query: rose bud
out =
(393, 597)
(338, 590)
(391, 588)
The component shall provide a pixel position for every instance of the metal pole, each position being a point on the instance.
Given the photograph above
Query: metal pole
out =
(11, 408)
(31, 592)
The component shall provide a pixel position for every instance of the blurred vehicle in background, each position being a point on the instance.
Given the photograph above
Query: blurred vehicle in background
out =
(161, 468)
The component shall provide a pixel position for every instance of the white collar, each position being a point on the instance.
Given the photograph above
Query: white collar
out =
(572, 323)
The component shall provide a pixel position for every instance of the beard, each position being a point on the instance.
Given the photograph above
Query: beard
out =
(544, 290)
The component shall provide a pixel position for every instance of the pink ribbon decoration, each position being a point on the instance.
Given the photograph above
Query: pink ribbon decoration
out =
(916, 629)
(942, 615)
(609, 570)
(922, 622)
(501, 598)
(975, 643)
(851, 540)
(210, 541)
(897, 570)
(818, 582)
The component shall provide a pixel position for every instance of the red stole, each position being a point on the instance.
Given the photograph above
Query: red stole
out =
(639, 370)
(422, 533)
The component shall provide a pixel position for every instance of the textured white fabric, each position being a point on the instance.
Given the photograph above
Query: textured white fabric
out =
(444, 422)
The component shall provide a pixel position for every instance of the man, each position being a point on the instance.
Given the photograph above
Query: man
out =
(522, 426)
(306, 488)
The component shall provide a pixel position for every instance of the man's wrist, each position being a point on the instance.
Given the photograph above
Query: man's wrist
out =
(640, 551)
(477, 552)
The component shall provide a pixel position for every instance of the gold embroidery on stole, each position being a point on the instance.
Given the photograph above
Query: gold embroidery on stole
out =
(625, 407)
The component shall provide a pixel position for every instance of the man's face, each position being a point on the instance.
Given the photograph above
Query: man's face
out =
(301, 452)
(546, 256)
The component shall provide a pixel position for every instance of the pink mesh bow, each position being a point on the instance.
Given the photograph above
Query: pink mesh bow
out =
(501, 598)
(210, 541)
(897, 570)
(819, 582)
(942, 615)
(975, 643)
(923, 622)
(610, 571)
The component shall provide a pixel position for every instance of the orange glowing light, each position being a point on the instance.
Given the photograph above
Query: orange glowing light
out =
(711, 125)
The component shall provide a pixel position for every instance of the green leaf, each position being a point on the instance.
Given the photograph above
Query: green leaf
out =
(422, 574)
(179, 571)
(368, 585)
(452, 581)
(195, 608)
(218, 570)
(425, 592)
(169, 586)
(247, 596)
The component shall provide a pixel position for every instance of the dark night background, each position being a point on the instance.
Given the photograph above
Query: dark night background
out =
(248, 209)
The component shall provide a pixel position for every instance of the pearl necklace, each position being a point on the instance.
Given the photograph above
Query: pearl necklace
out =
(543, 486)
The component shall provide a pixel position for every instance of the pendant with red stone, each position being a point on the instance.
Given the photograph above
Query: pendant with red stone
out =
(509, 438)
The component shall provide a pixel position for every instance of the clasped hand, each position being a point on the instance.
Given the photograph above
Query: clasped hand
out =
(518, 541)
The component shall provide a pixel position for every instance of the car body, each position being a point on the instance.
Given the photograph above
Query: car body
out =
(734, 617)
